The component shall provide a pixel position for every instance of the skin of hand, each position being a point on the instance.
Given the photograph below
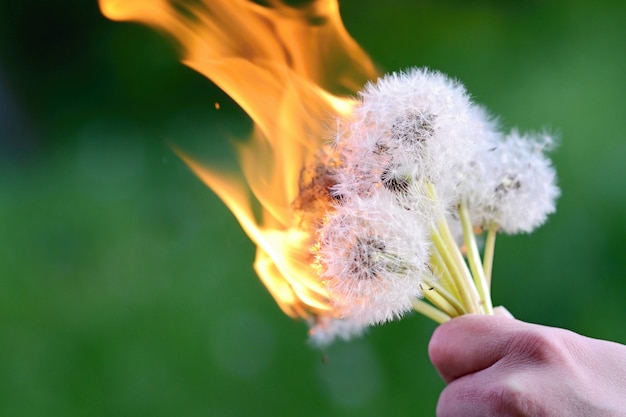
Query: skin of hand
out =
(500, 366)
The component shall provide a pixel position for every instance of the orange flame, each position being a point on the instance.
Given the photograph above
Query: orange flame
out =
(292, 70)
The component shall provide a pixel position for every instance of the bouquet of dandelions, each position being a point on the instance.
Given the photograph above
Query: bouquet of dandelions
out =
(416, 172)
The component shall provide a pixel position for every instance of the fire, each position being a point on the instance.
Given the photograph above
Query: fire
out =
(292, 69)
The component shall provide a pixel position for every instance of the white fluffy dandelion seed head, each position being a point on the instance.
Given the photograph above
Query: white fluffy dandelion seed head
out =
(419, 118)
(515, 184)
(461, 177)
(371, 255)
(409, 129)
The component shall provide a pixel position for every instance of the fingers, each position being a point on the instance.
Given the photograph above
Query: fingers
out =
(465, 397)
(502, 394)
(469, 343)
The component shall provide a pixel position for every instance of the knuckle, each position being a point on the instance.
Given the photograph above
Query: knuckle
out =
(513, 397)
(542, 347)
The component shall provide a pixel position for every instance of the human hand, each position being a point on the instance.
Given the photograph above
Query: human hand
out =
(499, 366)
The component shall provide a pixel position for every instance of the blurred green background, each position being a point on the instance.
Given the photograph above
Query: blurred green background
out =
(126, 287)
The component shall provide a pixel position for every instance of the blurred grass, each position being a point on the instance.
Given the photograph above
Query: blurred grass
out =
(126, 287)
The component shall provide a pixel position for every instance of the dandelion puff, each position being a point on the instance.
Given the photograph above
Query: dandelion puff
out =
(371, 255)
(518, 188)
(419, 118)
(462, 178)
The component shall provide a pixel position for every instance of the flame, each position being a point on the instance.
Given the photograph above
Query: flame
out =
(292, 69)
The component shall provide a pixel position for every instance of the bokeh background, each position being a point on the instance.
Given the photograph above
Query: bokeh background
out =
(126, 287)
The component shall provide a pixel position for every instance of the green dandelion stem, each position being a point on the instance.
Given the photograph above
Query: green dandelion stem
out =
(446, 245)
(490, 246)
(440, 270)
(432, 295)
(467, 290)
(429, 311)
(473, 257)
(449, 298)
